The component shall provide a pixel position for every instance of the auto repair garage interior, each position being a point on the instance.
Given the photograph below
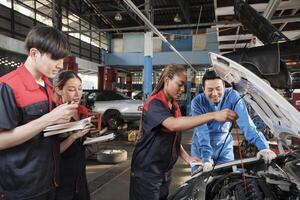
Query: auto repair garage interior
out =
(119, 49)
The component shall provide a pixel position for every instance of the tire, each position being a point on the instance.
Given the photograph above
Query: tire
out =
(112, 156)
(112, 119)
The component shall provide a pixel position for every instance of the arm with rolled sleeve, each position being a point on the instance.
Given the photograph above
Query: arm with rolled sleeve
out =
(247, 126)
(201, 138)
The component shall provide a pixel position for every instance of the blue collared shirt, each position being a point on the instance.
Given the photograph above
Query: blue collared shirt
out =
(209, 138)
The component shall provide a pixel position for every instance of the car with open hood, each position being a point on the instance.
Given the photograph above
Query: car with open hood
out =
(251, 178)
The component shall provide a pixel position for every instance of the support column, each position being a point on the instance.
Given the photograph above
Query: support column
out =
(107, 79)
(129, 84)
(188, 92)
(148, 68)
(56, 14)
(70, 64)
(148, 54)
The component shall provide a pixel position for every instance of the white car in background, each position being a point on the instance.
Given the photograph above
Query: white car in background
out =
(115, 107)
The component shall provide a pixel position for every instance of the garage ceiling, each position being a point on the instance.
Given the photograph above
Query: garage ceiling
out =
(284, 14)
(164, 12)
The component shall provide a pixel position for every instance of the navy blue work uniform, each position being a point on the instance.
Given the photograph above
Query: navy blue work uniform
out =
(29, 170)
(156, 152)
(73, 181)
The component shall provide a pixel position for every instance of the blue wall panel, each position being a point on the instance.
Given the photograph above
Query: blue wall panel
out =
(166, 56)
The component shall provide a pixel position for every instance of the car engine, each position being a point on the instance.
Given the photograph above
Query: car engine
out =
(279, 180)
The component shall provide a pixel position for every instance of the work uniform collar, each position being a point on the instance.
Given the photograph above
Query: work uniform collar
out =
(163, 98)
(28, 79)
(83, 111)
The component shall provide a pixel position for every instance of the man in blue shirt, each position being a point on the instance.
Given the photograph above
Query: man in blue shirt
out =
(208, 138)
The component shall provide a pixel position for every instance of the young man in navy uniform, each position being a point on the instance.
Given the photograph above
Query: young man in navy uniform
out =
(28, 161)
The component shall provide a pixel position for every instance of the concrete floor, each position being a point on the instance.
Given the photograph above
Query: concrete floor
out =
(111, 182)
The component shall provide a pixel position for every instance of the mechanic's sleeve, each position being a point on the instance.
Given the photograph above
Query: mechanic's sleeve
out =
(201, 140)
(157, 113)
(9, 115)
(247, 126)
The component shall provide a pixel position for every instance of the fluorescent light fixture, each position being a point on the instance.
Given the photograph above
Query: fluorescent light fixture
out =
(118, 17)
(177, 18)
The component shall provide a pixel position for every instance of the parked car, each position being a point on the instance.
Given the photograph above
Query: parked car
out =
(138, 95)
(251, 178)
(115, 107)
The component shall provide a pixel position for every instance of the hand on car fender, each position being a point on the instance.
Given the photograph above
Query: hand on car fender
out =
(267, 154)
(207, 166)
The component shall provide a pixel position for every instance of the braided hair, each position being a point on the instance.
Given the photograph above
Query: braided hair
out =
(169, 71)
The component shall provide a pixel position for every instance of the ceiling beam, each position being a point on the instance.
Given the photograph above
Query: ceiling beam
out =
(234, 37)
(289, 34)
(260, 7)
(170, 8)
(139, 28)
(229, 10)
(184, 6)
(285, 23)
(220, 24)
(271, 8)
(275, 20)
(215, 8)
(232, 46)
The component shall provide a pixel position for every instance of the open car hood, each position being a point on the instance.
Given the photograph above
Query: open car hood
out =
(278, 114)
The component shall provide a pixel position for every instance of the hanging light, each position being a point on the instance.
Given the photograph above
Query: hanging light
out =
(177, 18)
(118, 17)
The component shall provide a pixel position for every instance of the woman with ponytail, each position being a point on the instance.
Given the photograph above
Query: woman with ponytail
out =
(73, 181)
(159, 147)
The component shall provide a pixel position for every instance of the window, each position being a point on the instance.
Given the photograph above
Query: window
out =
(5, 3)
(81, 28)
(24, 10)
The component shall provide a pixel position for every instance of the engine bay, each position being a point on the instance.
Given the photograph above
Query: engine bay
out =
(279, 180)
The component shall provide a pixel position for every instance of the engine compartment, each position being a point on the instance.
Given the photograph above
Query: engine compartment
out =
(279, 180)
